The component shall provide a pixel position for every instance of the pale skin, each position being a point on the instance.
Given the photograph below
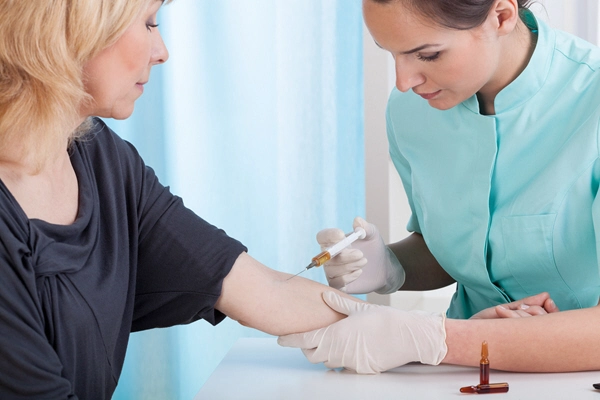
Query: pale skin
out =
(449, 67)
(252, 294)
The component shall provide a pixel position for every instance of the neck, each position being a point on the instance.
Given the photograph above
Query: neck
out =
(43, 184)
(34, 159)
(32, 154)
(516, 51)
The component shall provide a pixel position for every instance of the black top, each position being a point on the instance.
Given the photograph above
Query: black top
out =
(135, 258)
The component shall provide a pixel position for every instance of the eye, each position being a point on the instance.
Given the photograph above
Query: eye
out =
(428, 57)
(150, 26)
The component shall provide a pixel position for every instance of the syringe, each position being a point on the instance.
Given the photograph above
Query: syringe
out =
(323, 257)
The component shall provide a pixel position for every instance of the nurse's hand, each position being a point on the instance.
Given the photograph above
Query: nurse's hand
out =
(372, 338)
(529, 306)
(366, 266)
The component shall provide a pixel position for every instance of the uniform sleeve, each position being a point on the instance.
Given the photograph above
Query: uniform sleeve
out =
(30, 368)
(400, 162)
(182, 261)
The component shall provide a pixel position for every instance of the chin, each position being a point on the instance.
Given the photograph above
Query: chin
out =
(442, 106)
(446, 102)
(121, 114)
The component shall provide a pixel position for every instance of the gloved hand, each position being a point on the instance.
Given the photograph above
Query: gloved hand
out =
(372, 338)
(366, 266)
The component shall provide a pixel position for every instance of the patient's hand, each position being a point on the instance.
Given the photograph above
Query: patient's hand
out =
(529, 306)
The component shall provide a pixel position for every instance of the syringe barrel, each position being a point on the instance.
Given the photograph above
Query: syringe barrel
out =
(321, 258)
(334, 250)
(347, 241)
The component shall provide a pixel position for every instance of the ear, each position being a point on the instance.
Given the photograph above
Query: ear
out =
(505, 16)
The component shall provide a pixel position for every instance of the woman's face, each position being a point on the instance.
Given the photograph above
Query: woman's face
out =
(444, 66)
(115, 77)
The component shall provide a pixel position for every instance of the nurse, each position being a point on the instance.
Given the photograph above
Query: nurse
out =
(493, 128)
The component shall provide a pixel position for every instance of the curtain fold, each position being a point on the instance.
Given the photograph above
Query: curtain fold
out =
(257, 122)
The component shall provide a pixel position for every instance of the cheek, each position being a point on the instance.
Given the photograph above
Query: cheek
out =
(455, 73)
(133, 60)
(470, 69)
(133, 51)
(99, 78)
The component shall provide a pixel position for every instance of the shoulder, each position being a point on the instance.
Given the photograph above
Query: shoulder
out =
(572, 50)
(573, 74)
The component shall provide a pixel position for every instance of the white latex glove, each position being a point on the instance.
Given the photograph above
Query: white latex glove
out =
(373, 338)
(366, 266)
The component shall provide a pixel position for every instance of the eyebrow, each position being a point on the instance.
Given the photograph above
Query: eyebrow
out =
(419, 48)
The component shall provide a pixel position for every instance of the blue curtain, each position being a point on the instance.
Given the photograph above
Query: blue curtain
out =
(257, 122)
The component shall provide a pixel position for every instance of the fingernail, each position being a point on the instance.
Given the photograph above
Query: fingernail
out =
(524, 306)
(502, 307)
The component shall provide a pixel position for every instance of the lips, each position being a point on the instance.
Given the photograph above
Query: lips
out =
(429, 96)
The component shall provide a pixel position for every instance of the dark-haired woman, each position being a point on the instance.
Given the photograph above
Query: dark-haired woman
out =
(494, 130)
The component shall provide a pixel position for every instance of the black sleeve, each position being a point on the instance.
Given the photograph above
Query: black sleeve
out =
(182, 261)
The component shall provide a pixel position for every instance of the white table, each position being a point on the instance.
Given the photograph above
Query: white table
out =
(261, 369)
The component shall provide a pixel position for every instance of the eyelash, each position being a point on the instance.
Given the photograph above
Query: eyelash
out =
(430, 58)
(150, 26)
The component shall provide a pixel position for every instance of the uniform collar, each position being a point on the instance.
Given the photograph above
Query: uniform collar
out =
(531, 80)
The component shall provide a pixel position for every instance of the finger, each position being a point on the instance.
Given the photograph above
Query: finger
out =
(535, 300)
(333, 269)
(343, 275)
(306, 340)
(533, 310)
(344, 305)
(504, 312)
(313, 356)
(550, 306)
(487, 313)
(521, 312)
(340, 282)
(329, 237)
(347, 256)
(333, 364)
(370, 229)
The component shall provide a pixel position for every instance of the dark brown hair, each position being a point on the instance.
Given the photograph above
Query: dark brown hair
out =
(454, 14)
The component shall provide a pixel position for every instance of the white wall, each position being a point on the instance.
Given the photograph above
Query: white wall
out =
(386, 204)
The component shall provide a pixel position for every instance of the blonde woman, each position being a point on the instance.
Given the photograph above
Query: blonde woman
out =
(92, 246)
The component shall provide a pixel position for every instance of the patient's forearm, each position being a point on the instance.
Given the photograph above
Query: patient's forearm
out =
(556, 342)
(262, 298)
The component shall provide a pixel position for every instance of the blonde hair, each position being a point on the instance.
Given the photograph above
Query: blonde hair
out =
(43, 47)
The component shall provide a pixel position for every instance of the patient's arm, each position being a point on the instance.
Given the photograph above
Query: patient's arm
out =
(262, 298)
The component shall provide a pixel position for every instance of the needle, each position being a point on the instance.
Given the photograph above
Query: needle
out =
(323, 257)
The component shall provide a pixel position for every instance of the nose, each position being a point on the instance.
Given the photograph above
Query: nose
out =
(407, 76)
(160, 54)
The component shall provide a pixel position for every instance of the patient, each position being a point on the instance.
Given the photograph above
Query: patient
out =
(93, 245)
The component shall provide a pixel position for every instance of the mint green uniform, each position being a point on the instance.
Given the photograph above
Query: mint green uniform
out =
(508, 203)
